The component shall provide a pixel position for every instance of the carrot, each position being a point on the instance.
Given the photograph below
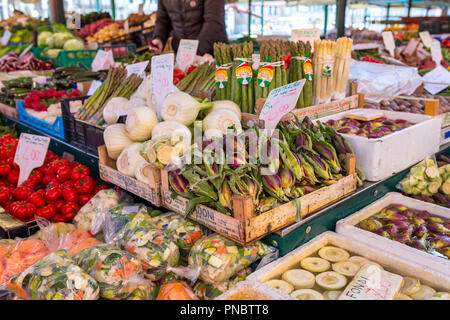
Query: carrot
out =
(99, 265)
(194, 236)
(78, 296)
(118, 273)
(124, 259)
(214, 242)
(228, 262)
(255, 251)
(132, 249)
(157, 241)
(222, 250)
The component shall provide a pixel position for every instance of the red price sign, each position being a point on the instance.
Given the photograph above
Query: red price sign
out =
(186, 53)
(30, 154)
(161, 78)
(280, 101)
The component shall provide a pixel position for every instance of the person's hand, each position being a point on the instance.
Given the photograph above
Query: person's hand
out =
(159, 45)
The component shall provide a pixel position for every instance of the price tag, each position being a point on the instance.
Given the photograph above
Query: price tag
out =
(437, 75)
(24, 52)
(30, 154)
(5, 38)
(94, 86)
(389, 43)
(426, 38)
(137, 68)
(365, 115)
(306, 35)
(280, 101)
(186, 53)
(256, 58)
(411, 47)
(436, 53)
(161, 79)
(141, 9)
(103, 60)
(126, 26)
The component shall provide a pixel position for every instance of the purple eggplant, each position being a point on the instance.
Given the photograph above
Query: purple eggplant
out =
(418, 244)
(383, 233)
(408, 213)
(438, 228)
(424, 215)
(435, 220)
(402, 238)
(421, 231)
(370, 224)
(391, 229)
(417, 220)
(439, 241)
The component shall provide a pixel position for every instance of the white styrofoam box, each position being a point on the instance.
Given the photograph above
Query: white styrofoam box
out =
(348, 228)
(392, 263)
(251, 290)
(380, 158)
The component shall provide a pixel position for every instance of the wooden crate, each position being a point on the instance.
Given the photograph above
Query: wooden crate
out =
(9, 111)
(431, 106)
(108, 172)
(313, 112)
(245, 227)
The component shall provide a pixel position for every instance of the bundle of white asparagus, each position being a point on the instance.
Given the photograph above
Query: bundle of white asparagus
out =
(341, 67)
(324, 55)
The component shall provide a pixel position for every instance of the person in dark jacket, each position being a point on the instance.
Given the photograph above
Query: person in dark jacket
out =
(203, 20)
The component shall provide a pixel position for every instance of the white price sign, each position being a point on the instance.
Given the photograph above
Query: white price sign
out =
(389, 43)
(186, 53)
(94, 86)
(306, 35)
(161, 79)
(436, 53)
(30, 154)
(103, 60)
(137, 68)
(280, 101)
(426, 38)
(5, 38)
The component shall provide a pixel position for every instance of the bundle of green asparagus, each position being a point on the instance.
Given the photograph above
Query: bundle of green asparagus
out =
(199, 80)
(242, 79)
(125, 90)
(272, 72)
(300, 68)
(222, 53)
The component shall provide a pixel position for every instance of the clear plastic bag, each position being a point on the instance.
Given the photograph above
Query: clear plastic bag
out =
(176, 290)
(18, 255)
(111, 221)
(220, 258)
(184, 232)
(423, 179)
(73, 242)
(54, 277)
(118, 273)
(153, 248)
(103, 200)
(54, 230)
(208, 291)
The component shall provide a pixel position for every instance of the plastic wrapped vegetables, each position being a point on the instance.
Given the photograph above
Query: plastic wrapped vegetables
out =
(220, 258)
(183, 231)
(103, 200)
(155, 250)
(117, 272)
(113, 220)
(55, 277)
(207, 291)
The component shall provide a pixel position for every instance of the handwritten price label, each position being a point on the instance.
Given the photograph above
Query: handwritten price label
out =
(306, 35)
(280, 101)
(137, 68)
(5, 38)
(186, 53)
(30, 154)
(161, 79)
(436, 53)
(103, 60)
(426, 38)
(389, 43)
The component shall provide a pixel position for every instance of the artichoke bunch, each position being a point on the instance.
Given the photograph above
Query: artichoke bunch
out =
(299, 159)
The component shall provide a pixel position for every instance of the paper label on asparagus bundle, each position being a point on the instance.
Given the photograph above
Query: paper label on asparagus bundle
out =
(137, 68)
(365, 115)
(389, 43)
(280, 101)
(221, 77)
(5, 38)
(161, 79)
(256, 58)
(426, 38)
(327, 70)
(373, 283)
(103, 60)
(244, 73)
(265, 75)
(186, 53)
(440, 78)
(436, 53)
(94, 86)
(306, 35)
(30, 154)
(308, 69)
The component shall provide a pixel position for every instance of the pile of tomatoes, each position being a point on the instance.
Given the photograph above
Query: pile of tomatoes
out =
(55, 191)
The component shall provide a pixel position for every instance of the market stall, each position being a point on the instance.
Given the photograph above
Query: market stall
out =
(285, 170)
